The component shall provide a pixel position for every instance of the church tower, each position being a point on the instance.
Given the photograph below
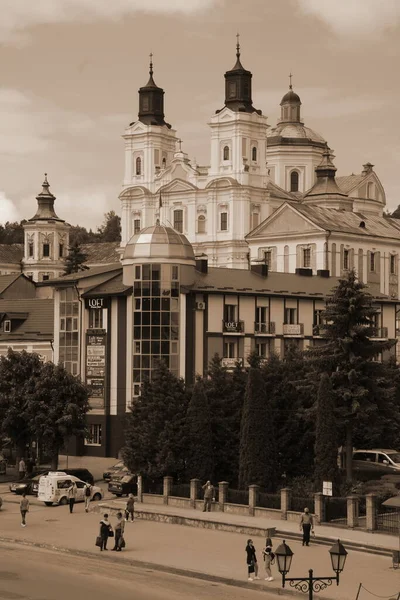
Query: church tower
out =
(46, 239)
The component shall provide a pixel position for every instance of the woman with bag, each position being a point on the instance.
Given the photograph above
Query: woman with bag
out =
(252, 566)
(269, 557)
(119, 533)
(105, 532)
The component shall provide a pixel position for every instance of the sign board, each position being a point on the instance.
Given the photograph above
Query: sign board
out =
(98, 303)
(327, 488)
(96, 368)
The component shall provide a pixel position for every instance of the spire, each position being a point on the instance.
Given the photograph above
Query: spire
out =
(238, 86)
(45, 200)
(326, 182)
(151, 101)
(290, 105)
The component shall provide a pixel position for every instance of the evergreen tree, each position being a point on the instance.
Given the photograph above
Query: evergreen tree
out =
(110, 230)
(74, 261)
(258, 462)
(348, 356)
(200, 458)
(326, 444)
(154, 442)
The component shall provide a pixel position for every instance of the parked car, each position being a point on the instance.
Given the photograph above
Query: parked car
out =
(122, 485)
(376, 462)
(30, 485)
(117, 469)
(53, 488)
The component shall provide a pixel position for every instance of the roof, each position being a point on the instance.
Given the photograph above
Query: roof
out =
(278, 192)
(295, 131)
(37, 322)
(348, 182)
(291, 97)
(102, 252)
(11, 253)
(159, 242)
(82, 274)
(7, 280)
(111, 287)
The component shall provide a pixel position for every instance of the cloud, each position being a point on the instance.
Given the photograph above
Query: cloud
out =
(8, 211)
(354, 17)
(19, 15)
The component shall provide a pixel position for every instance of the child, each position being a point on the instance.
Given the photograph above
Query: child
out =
(269, 556)
(252, 566)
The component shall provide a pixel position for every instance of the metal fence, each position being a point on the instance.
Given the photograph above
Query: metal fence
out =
(298, 504)
(387, 519)
(181, 490)
(152, 486)
(237, 496)
(335, 510)
(266, 500)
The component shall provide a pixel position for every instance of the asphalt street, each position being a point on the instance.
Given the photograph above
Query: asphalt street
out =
(36, 574)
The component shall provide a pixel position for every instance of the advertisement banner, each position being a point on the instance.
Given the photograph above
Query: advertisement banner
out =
(96, 368)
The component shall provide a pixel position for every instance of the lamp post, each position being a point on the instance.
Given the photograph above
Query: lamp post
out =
(310, 584)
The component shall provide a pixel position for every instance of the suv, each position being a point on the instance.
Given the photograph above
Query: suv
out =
(115, 470)
(123, 484)
(376, 462)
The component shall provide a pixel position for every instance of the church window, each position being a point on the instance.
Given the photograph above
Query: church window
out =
(224, 221)
(178, 220)
(46, 250)
(254, 153)
(370, 190)
(346, 256)
(232, 89)
(294, 181)
(30, 249)
(138, 166)
(306, 258)
(255, 220)
(268, 258)
(164, 162)
(393, 264)
(136, 225)
(226, 153)
(201, 224)
(372, 262)
(61, 250)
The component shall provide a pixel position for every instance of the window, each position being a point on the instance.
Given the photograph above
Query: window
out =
(254, 153)
(346, 256)
(261, 314)
(372, 262)
(230, 313)
(61, 250)
(46, 250)
(178, 220)
(69, 333)
(294, 181)
(230, 350)
(175, 273)
(268, 258)
(262, 348)
(94, 435)
(136, 226)
(306, 258)
(164, 163)
(95, 318)
(138, 166)
(30, 249)
(226, 153)
(393, 264)
(290, 316)
(255, 220)
(370, 190)
(7, 326)
(224, 221)
(45, 277)
(318, 316)
(201, 224)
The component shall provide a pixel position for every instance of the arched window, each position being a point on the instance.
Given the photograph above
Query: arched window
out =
(370, 190)
(164, 162)
(254, 153)
(138, 166)
(201, 224)
(294, 181)
(226, 152)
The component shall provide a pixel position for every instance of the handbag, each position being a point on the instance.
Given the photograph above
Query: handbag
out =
(121, 542)
(110, 533)
(98, 541)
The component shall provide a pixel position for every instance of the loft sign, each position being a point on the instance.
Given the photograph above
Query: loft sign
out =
(97, 303)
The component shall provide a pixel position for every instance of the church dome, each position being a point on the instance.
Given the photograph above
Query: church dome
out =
(291, 97)
(159, 243)
(295, 131)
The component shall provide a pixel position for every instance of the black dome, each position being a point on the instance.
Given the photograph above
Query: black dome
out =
(291, 97)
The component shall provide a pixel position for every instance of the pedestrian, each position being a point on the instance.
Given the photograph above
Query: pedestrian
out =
(24, 508)
(88, 496)
(269, 556)
(130, 507)
(208, 495)
(72, 493)
(21, 468)
(306, 525)
(252, 566)
(119, 532)
(105, 530)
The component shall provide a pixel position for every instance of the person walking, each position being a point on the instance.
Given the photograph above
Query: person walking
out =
(268, 558)
(24, 508)
(119, 532)
(251, 559)
(105, 530)
(130, 507)
(21, 468)
(72, 493)
(208, 495)
(306, 525)
(88, 496)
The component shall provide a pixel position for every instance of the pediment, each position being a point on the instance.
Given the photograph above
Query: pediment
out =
(137, 127)
(284, 221)
(226, 114)
(179, 186)
(137, 191)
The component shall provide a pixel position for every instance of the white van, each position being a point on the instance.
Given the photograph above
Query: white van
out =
(53, 488)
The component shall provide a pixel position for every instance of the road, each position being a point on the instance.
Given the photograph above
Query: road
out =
(36, 574)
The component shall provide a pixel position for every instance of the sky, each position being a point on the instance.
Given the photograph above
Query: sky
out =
(71, 70)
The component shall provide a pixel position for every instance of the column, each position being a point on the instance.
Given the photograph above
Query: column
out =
(222, 494)
(370, 512)
(194, 491)
(139, 489)
(253, 498)
(286, 501)
(319, 507)
(167, 487)
(352, 511)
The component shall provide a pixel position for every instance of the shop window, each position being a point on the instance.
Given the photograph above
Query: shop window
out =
(95, 318)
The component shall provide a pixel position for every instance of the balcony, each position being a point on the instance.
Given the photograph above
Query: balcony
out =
(264, 328)
(233, 327)
(230, 363)
(379, 332)
(293, 329)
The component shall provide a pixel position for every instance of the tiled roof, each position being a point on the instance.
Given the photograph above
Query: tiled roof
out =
(101, 253)
(7, 280)
(348, 182)
(39, 322)
(11, 253)
(87, 273)
(278, 192)
(112, 286)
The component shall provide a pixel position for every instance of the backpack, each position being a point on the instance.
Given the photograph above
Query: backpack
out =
(88, 491)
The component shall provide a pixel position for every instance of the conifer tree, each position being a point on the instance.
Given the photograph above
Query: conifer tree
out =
(326, 444)
(200, 457)
(74, 261)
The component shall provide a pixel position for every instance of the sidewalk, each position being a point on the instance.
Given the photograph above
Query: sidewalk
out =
(213, 554)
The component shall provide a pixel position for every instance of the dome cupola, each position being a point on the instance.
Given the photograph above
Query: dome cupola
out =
(45, 210)
(290, 105)
(238, 96)
(151, 101)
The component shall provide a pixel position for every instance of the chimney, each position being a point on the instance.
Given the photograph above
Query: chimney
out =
(202, 265)
(260, 269)
(367, 168)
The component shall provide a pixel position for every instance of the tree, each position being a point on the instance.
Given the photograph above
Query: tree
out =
(326, 439)
(12, 233)
(200, 456)
(110, 230)
(79, 235)
(58, 410)
(257, 464)
(348, 356)
(154, 443)
(75, 260)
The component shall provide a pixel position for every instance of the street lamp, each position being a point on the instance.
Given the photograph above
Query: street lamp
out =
(310, 584)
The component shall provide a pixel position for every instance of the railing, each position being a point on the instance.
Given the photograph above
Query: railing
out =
(298, 504)
(267, 328)
(230, 363)
(293, 329)
(387, 519)
(152, 487)
(181, 490)
(269, 500)
(233, 326)
(379, 332)
(237, 496)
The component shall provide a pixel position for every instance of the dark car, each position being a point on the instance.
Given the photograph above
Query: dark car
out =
(122, 485)
(30, 485)
(82, 474)
(118, 469)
